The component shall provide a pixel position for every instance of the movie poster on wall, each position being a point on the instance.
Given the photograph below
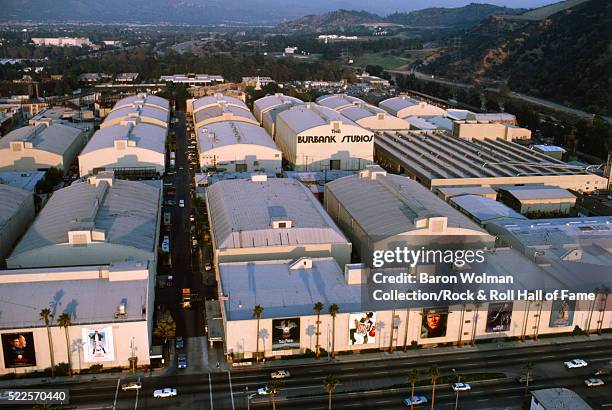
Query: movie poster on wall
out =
(362, 328)
(98, 345)
(499, 317)
(286, 333)
(18, 349)
(562, 313)
(433, 323)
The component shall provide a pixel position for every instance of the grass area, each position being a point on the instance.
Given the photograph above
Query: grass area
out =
(388, 61)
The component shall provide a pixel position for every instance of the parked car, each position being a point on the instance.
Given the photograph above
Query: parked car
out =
(593, 382)
(131, 386)
(181, 203)
(460, 386)
(576, 363)
(182, 361)
(416, 401)
(179, 343)
(207, 266)
(280, 374)
(601, 372)
(169, 281)
(163, 393)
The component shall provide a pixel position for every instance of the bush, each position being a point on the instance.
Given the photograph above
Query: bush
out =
(61, 369)
(577, 331)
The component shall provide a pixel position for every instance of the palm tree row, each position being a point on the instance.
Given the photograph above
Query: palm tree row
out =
(63, 321)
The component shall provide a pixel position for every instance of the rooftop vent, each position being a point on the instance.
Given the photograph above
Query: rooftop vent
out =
(259, 178)
(281, 223)
(302, 263)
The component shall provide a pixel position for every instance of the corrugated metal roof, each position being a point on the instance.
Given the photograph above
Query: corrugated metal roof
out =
(56, 137)
(338, 101)
(146, 136)
(143, 99)
(127, 212)
(484, 209)
(232, 133)
(390, 204)
(242, 212)
(306, 116)
(11, 200)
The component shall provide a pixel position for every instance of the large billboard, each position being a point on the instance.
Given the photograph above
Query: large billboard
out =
(362, 328)
(499, 317)
(18, 349)
(562, 313)
(98, 345)
(286, 333)
(433, 323)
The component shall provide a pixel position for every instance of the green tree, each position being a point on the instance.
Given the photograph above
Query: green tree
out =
(318, 307)
(165, 327)
(413, 378)
(64, 321)
(330, 383)
(333, 312)
(46, 316)
(434, 373)
(257, 312)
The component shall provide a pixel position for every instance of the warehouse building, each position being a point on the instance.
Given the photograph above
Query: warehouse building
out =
(316, 138)
(217, 107)
(466, 115)
(557, 398)
(538, 199)
(230, 146)
(143, 99)
(483, 210)
(437, 160)
(16, 214)
(449, 192)
(550, 150)
(379, 212)
(41, 146)
(270, 102)
(110, 306)
(405, 106)
(130, 146)
(95, 222)
(479, 130)
(338, 101)
(143, 113)
(24, 180)
(267, 219)
(192, 79)
(373, 118)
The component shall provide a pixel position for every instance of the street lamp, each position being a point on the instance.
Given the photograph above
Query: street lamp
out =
(248, 397)
(456, 390)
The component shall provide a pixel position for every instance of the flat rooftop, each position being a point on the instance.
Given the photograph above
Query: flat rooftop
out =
(484, 209)
(560, 398)
(24, 180)
(535, 192)
(53, 137)
(226, 133)
(243, 211)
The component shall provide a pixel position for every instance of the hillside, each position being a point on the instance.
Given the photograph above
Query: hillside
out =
(457, 17)
(335, 20)
(563, 58)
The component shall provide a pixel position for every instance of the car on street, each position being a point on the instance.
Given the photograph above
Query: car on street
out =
(181, 203)
(416, 401)
(163, 393)
(593, 382)
(131, 386)
(207, 266)
(601, 372)
(280, 374)
(523, 379)
(576, 363)
(460, 386)
(169, 281)
(182, 361)
(264, 391)
(179, 343)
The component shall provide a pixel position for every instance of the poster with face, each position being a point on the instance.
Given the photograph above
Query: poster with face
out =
(286, 333)
(499, 317)
(98, 345)
(562, 313)
(433, 323)
(18, 349)
(362, 328)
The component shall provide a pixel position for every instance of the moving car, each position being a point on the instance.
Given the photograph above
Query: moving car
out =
(181, 203)
(131, 386)
(264, 391)
(594, 382)
(207, 266)
(182, 361)
(572, 364)
(163, 393)
(416, 400)
(280, 374)
(460, 386)
(601, 372)
(179, 342)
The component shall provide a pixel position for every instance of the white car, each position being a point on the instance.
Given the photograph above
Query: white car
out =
(572, 364)
(280, 374)
(461, 386)
(416, 400)
(182, 203)
(264, 391)
(131, 386)
(163, 393)
(594, 382)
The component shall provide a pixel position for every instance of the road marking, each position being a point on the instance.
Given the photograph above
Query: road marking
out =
(546, 357)
(229, 376)
(137, 391)
(380, 372)
(210, 391)
(116, 392)
(352, 405)
(384, 401)
(607, 405)
(483, 400)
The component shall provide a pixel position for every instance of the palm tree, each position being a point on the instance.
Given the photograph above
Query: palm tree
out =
(407, 324)
(605, 292)
(330, 383)
(413, 378)
(476, 307)
(318, 307)
(461, 322)
(46, 316)
(527, 369)
(588, 329)
(434, 373)
(64, 321)
(333, 311)
(273, 387)
(257, 312)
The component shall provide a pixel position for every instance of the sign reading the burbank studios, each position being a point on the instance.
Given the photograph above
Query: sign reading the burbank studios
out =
(333, 139)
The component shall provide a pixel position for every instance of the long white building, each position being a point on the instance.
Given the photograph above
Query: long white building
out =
(267, 108)
(338, 101)
(236, 146)
(143, 99)
(147, 114)
(405, 106)
(316, 138)
(16, 214)
(217, 107)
